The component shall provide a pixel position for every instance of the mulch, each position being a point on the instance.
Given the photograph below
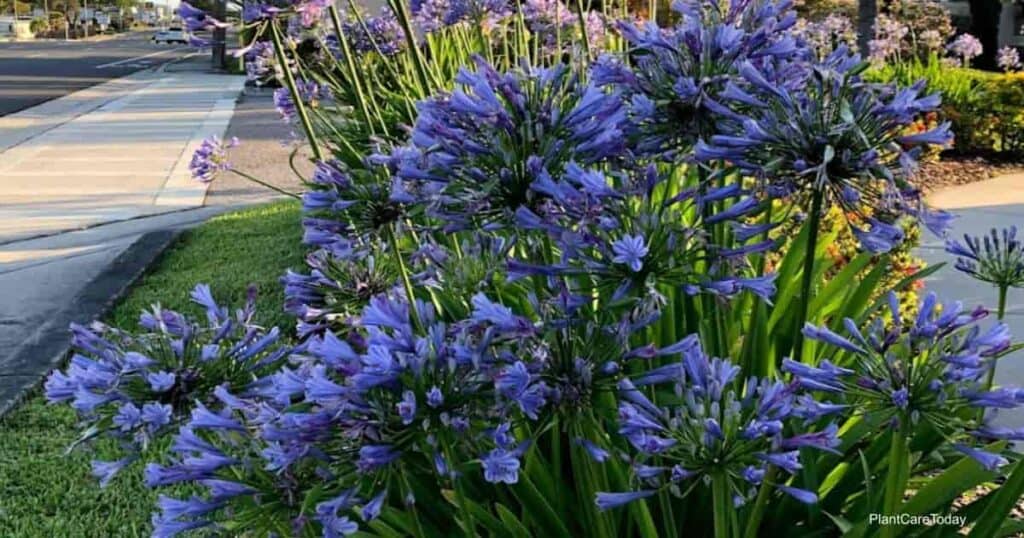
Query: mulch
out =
(952, 170)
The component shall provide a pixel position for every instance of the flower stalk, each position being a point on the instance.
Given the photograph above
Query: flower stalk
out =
(807, 282)
(289, 80)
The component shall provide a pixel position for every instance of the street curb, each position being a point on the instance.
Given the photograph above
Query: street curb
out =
(49, 346)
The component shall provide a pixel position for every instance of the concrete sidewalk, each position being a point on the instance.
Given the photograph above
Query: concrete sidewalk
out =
(81, 179)
(124, 159)
(981, 206)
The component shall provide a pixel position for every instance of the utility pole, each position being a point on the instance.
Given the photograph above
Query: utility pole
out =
(85, 10)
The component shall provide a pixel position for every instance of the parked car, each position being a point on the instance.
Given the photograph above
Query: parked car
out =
(174, 34)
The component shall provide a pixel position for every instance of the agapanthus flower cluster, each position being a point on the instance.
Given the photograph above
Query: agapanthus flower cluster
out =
(555, 25)
(259, 62)
(477, 151)
(359, 409)
(716, 425)
(433, 15)
(888, 42)
(824, 36)
(928, 369)
(965, 47)
(627, 242)
(996, 258)
(211, 158)
(381, 34)
(135, 386)
(1008, 59)
(683, 73)
(311, 93)
(839, 138)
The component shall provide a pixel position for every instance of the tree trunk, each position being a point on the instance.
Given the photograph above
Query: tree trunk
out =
(867, 12)
(1007, 14)
(985, 26)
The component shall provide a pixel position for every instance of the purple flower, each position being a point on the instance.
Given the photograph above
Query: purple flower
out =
(1008, 59)
(211, 158)
(607, 501)
(104, 471)
(501, 465)
(407, 407)
(987, 460)
(966, 47)
(802, 495)
(630, 250)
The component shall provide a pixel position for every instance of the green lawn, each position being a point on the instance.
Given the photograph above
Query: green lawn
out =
(44, 492)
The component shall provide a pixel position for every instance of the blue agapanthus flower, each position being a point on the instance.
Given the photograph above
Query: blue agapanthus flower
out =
(682, 75)
(927, 369)
(136, 386)
(476, 151)
(997, 258)
(211, 158)
(615, 232)
(838, 138)
(719, 425)
(381, 34)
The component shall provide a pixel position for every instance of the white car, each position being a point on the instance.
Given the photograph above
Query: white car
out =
(173, 34)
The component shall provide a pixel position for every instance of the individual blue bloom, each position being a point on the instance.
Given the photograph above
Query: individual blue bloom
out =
(167, 528)
(104, 471)
(372, 509)
(501, 465)
(823, 440)
(996, 258)
(823, 334)
(156, 415)
(203, 418)
(901, 398)
(607, 501)
(161, 381)
(596, 453)
(788, 461)
(128, 417)
(1000, 432)
(337, 526)
(880, 238)
(630, 250)
(435, 397)
(802, 495)
(374, 456)
(211, 158)
(988, 460)
(171, 508)
(407, 407)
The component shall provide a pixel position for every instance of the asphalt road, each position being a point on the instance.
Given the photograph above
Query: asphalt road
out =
(33, 72)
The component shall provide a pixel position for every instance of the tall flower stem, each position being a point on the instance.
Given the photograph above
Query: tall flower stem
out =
(418, 60)
(350, 65)
(813, 223)
(897, 478)
(265, 184)
(414, 315)
(1000, 314)
(757, 512)
(722, 502)
(582, 20)
(289, 81)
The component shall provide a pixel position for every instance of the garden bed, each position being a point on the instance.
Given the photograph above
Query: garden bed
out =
(48, 493)
(955, 170)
